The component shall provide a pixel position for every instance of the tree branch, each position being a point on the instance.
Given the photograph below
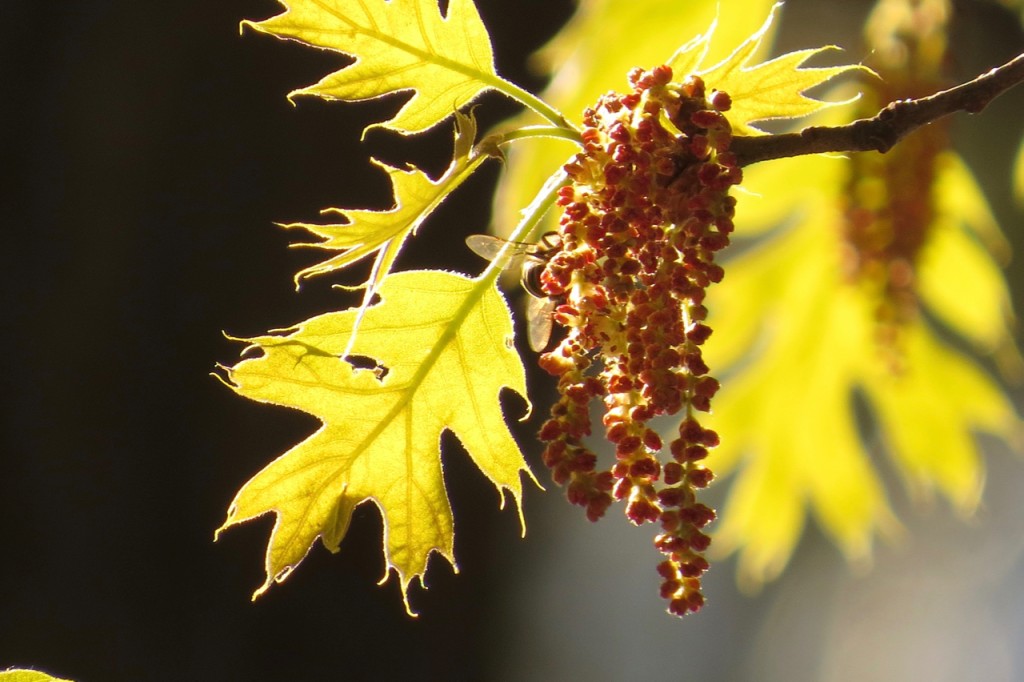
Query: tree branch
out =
(889, 126)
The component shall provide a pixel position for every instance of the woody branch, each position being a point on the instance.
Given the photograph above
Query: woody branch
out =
(882, 131)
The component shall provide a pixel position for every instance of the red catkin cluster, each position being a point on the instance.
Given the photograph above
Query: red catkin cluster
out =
(646, 211)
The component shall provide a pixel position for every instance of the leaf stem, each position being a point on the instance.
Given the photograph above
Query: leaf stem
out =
(525, 132)
(528, 227)
(528, 99)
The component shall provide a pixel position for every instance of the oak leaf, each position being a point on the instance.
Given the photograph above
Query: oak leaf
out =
(366, 231)
(21, 675)
(384, 233)
(801, 342)
(399, 46)
(442, 344)
(769, 90)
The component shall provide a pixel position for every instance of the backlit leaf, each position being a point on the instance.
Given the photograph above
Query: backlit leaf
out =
(398, 46)
(443, 352)
(384, 233)
(766, 91)
(965, 237)
(788, 413)
(801, 341)
(930, 432)
(366, 232)
(28, 676)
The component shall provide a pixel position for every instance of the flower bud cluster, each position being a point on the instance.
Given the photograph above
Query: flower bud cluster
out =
(645, 212)
(890, 204)
(889, 213)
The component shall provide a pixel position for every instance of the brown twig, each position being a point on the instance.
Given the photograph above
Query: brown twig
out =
(882, 131)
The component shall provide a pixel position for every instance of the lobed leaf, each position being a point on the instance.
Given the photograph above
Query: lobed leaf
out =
(929, 434)
(442, 344)
(384, 233)
(801, 342)
(767, 91)
(367, 231)
(399, 46)
(21, 675)
(792, 433)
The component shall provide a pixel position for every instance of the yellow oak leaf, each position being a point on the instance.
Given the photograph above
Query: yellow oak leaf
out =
(929, 432)
(767, 91)
(442, 344)
(790, 432)
(399, 46)
(367, 231)
(27, 676)
(799, 341)
(965, 239)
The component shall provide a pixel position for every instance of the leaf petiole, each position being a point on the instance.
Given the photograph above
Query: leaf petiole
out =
(528, 228)
(526, 132)
(527, 99)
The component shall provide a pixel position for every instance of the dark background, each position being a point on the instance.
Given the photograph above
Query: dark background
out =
(152, 147)
(149, 148)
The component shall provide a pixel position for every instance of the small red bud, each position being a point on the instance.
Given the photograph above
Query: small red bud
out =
(668, 543)
(690, 430)
(691, 570)
(662, 74)
(615, 173)
(630, 100)
(619, 132)
(678, 607)
(669, 588)
(709, 438)
(707, 386)
(652, 440)
(641, 511)
(550, 430)
(620, 383)
(700, 477)
(695, 363)
(621, 488)
(698, 334)
(616, 432)
(706, 118)
(699, 541)
(555, 364)
(667, 570)
(627, 446)
(671, 497)
(721, 101)
(701, 403)
(672, 473)
(694, 453)
(698, 515)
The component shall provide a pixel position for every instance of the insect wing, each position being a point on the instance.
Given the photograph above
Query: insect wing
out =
(539, 309)
(488, 246)
(538, 318)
